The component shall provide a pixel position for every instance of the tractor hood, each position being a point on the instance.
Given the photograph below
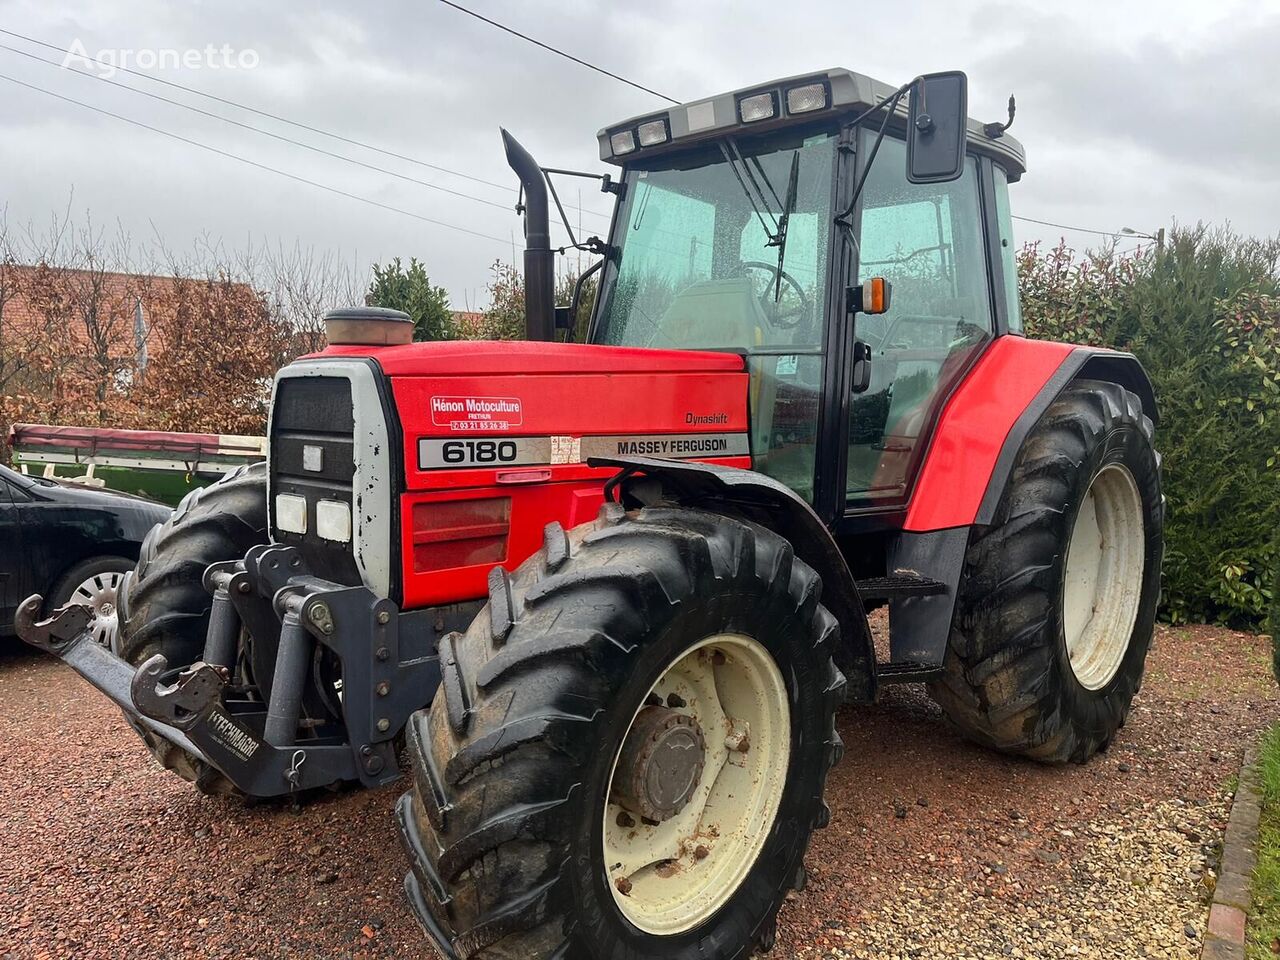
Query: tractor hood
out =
(559, 405)
(491, 438)
(472, 357)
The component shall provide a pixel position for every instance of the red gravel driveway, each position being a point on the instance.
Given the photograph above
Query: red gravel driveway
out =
(103, 855)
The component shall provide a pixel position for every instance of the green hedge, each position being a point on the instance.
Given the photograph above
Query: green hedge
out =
(1273, 626)
(1203, 316)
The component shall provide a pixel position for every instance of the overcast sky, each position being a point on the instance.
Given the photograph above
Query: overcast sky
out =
(1133, 113)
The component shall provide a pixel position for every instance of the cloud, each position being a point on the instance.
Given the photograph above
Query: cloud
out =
(1131, 114)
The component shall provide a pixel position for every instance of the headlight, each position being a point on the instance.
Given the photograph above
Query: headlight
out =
(758, 106)
(291, 513)
(653, 132)
(333, 521)
(812, 96)
(622, 142)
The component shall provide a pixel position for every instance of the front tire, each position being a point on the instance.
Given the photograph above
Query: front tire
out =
(1057, 601)
(164, 605)
(513, 763)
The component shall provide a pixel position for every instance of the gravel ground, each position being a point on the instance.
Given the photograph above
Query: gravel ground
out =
(936, 848)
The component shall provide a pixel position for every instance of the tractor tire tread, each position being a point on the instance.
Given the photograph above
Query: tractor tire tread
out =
(485, 822)
(998, 683)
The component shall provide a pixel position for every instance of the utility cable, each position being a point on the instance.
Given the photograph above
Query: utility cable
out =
(252, 163)
(261, 113)
(1063, 226)
(276, 136)
(558, 52)
(259, 130)
(368, 146)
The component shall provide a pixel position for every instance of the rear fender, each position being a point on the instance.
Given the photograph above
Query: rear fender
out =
(988, 417)
(968, 466)
(752, 496)
(1083, 363)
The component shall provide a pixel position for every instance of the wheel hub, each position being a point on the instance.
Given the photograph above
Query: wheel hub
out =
(697, 783)
(660, 765)
(1102, 580)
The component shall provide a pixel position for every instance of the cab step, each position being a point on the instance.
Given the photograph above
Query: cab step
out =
(899, 587)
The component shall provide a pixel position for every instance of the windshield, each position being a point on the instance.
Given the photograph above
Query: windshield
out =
(699, 242)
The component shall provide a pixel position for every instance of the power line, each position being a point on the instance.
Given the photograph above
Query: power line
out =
(268, 133)
(261, 113)
(360, 143)
(259, 130)
(252, 163)
(650, 90)
(1063, 226)
(557, 51)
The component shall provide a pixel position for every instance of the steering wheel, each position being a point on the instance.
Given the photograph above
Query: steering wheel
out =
(784, 318)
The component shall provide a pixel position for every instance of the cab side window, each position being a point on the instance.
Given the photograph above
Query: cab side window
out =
(1008, 251)
(926, 240)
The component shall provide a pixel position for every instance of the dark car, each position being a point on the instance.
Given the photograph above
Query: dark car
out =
(68, 542)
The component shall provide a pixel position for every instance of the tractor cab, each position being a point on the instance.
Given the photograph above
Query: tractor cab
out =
(738, 229)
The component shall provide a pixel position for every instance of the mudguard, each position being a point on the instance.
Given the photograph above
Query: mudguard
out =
(987, 419)
(969, 462)
(1083, 363)
(752, 496)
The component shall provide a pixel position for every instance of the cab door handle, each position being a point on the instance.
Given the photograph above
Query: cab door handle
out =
(861, 366)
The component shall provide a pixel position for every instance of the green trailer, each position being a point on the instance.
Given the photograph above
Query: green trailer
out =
(157, 464)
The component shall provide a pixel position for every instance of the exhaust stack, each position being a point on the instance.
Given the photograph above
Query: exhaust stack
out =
(539, 262)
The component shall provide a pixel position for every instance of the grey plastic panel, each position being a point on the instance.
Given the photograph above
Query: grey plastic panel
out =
(371, 487)
(850, 93)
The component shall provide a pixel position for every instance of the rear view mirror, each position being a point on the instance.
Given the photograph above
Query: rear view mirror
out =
(938, 112)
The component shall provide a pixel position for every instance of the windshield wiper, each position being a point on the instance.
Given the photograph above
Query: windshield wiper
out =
(772, 234)
(890, 105)
(777, 236)
(788, 205)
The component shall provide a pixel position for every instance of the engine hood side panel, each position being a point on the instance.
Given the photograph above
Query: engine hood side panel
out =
(491, 458)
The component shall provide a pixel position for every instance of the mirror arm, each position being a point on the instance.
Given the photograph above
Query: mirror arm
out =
(891, 103)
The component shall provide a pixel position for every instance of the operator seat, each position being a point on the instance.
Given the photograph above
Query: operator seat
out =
(726, 314)
(715, 315)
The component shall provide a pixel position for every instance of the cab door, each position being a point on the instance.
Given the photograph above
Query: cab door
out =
(928, 241)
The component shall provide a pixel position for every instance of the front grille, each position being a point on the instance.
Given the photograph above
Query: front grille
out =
(313, 414)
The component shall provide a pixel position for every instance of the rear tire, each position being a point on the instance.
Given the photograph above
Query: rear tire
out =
(1057, 601)
(165, 605)
(512, 764)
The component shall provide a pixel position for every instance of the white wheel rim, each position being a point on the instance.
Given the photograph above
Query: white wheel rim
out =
(99, 593)
(1103, 579)
(678, 873)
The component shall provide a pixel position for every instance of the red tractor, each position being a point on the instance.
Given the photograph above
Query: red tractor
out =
(609, 596)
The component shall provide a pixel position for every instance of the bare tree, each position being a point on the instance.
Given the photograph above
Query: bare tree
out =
(113, 332)
(303, 285)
